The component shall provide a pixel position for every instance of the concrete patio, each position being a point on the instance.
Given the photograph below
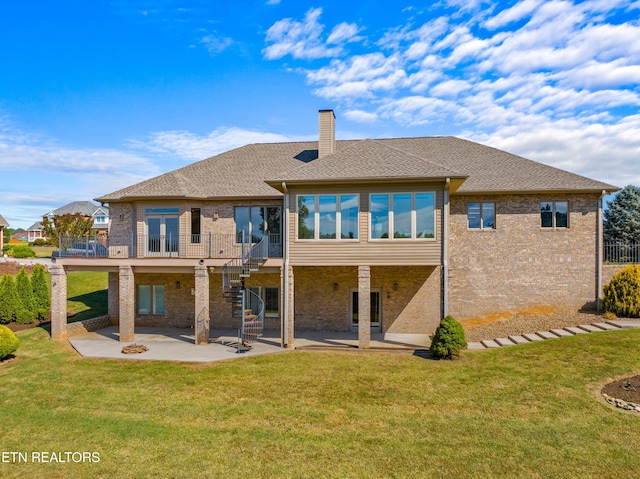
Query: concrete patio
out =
(175, 344)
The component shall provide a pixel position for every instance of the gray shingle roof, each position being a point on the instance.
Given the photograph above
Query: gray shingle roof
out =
(86, 208)
(3, 222)
(244, 171)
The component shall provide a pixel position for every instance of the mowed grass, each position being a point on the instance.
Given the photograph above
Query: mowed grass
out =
(525, 411)
(87, 295)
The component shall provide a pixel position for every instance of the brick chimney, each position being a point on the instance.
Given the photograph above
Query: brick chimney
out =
(326, 133)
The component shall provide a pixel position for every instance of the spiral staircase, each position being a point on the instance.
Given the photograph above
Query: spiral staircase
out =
(234, 273)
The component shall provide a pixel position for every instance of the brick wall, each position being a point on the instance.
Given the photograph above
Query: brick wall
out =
(520, 267)
(410, 297)
(81, 327)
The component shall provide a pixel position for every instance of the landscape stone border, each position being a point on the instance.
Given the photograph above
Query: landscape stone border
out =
(619, 403)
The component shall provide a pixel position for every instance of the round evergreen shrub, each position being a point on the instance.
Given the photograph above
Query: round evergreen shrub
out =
(449, 339)
(622, 294)
(8, 342)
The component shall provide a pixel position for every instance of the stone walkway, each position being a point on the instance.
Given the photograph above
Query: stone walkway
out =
(555, 334)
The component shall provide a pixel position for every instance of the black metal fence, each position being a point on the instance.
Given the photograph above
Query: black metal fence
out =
(622, 253)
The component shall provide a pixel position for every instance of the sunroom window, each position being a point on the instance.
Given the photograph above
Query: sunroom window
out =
(402, 215)
(327, 217)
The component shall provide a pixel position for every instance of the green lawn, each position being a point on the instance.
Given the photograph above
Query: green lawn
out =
(524, 411)
(43, 251)
(86, 294)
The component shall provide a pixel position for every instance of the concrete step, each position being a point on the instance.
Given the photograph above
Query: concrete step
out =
(590, 328)
(625, 323)
(504, 342)
(606, 326)
(561, 333)
(574, 330)
(475, 345)
(519, 339)
(532, 337)
(489, 343)
(546, 335)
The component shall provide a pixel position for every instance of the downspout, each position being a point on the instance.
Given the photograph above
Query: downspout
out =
(284, 323)
(600, 247)
(445, 250)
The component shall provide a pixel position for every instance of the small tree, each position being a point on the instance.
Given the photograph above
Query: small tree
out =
(622, 217)
(9, 301)
(41, 298)
(73, 224)
(8, 342)
(25, 313)
(622, 294)
(448, 339)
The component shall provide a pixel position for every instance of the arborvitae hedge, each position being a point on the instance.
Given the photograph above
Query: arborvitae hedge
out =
(41, 299)
(9, 301)
(25, 292)
(622, 294)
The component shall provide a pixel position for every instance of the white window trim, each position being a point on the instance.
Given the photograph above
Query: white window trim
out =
(316, 217)
(413, 216)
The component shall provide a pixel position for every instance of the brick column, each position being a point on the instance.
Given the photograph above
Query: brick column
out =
(58, 302)
(364, 307)
(113, 302)
(202, 305)
(290, 309)
(127, 303)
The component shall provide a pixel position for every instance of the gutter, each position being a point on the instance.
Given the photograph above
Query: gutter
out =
(284, 321)
(445, 250)
(599, 250)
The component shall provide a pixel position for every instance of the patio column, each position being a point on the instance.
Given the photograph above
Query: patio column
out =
(364, 307)
(58, 302)
(127, 303)
(202, 305)
(290, 307)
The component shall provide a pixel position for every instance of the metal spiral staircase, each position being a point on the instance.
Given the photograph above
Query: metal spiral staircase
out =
(234, 273)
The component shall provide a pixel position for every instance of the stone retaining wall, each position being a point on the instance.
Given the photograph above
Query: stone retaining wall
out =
(81, 327)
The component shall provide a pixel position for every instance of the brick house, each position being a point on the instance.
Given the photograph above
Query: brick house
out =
(366, 236)
(3, 225)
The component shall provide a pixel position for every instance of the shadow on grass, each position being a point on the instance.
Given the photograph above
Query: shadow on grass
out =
(96, 303)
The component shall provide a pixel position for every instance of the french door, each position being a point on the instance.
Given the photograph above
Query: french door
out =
(163, 235)
(374, 307)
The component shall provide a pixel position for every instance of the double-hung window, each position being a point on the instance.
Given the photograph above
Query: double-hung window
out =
(402, 215)
(328, 216)
(554, 214)
(481, 216)
(150, 299)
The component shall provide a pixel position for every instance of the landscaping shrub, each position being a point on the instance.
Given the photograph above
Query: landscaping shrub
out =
(24, 289)
(622, 294)
(41, 299)
(9, 301)
(25, 316)
(8, 342)
(449, 339)
(19, 251)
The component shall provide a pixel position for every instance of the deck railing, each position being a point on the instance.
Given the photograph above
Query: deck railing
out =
(622, 253)
(160, 246)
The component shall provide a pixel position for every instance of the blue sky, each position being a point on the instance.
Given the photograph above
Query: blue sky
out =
(95, 96)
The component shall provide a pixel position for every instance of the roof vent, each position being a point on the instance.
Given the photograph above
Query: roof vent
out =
(326, 133)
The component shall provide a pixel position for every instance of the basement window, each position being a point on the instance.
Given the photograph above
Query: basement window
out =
(481, 216)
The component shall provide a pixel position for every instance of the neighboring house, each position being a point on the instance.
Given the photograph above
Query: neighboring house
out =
(35, 232)
(3, 225)
(367, 235)
(100, 214)
(19, 237)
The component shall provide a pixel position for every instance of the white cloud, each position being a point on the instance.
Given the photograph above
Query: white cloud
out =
(192, 147)
(216, 43)
(513, 14)
(344, 32)
(360, 116)
(298, 39)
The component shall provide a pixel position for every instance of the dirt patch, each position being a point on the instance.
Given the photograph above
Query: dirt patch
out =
(627, 389)
(13, 267)
(21, 327)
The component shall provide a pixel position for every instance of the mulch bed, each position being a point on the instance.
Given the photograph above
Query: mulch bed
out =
(627, 389)
(21, 327)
